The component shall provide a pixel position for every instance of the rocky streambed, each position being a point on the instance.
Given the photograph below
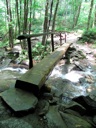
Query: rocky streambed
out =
(68, 99)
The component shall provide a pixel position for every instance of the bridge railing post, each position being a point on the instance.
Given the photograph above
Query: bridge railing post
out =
(30, 53)
(52, 41)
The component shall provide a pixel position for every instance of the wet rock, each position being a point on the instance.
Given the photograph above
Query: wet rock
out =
(55, 85)
(54, 119)
(92, 95)
(72, 112)
(94, 119)
(88, 103)
(44, 109)
(48, 96)
(74, 121)
(54, 101)
(4, 113)
(73, 106)
(5, 63)
(19, 100)
(8, 78)
(89, 79)
(14, 123)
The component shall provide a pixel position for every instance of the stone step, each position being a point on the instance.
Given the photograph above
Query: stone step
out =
(19, 100)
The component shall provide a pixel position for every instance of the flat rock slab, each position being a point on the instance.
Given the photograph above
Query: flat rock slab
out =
(35, 78)
(14, 123)
(19, 100)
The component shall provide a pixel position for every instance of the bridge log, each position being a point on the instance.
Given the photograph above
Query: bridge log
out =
(35, 78)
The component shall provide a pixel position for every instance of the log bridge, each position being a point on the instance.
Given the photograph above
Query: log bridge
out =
(28, 37)
(24, 96)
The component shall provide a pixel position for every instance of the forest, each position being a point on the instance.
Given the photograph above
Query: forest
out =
(48, 63)
(37, 16)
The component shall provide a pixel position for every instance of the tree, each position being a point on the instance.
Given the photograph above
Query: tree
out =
(30, 16)
(50, 17)
(76, 16)
(90, 13)
(54, 16)
(18, 16)
(45, 25)
(10, 26)
(95, 17)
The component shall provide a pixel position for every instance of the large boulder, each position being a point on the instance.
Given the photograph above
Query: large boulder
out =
(74, 121)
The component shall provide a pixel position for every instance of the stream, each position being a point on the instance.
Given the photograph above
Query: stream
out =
(73, 76)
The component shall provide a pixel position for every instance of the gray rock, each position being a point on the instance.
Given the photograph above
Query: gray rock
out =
(73, 106)
(74, 121)
(4, 113)
(14, 123)
(19, 100)
(54, 119)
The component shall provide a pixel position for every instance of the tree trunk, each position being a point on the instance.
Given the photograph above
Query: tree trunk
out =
(53, 24)
(95, 17)
(90, 12)
(54, 16)
(8, 5)
(45, 26)
(77, 14)
(18, 16)
(25, 21)
(30, 22)
(51, 7)
(34, 3)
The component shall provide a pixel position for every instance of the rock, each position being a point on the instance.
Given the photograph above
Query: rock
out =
(44, 109)
(19, 100)
(14, 123)
(5, 63)
(88, 103)
(94, 119)
(92, 95)
(8, 78)
(54, 119)
(73, 106)
(89, 79)
(74, 121)
(4, 113)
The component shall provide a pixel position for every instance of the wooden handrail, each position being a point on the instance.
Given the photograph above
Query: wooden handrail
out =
(27, 36)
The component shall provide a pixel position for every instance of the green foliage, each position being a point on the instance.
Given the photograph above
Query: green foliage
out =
(89, 36)
(3, 44)
(23, 55)
(40, 51)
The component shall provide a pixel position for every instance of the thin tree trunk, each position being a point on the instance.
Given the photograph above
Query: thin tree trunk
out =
(53, 24)
(34, 2)
(18, 17)
(25, 20)
(95, 17)
(8, 5)
(51, 7)
(30, 22)
(45, 26)
(90, 12)
(54, 16)
(77, 14)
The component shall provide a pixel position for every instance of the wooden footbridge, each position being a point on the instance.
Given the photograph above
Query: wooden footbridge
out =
(24, 96)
